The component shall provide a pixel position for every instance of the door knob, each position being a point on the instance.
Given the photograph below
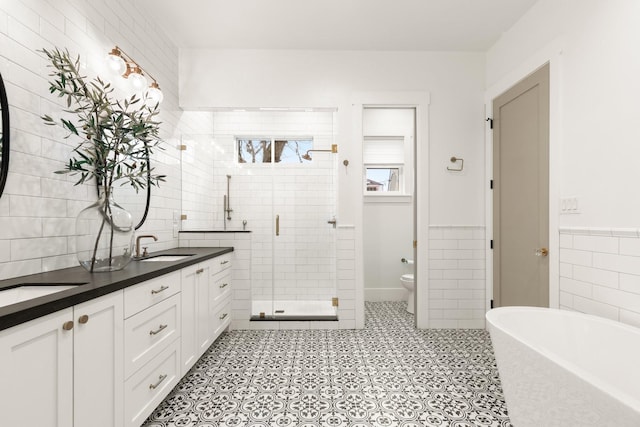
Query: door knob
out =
(542, 252)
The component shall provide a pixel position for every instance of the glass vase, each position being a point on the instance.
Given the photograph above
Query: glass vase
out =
(104, 235)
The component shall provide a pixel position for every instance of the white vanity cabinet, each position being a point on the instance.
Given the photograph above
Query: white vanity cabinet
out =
(195, 313)
(65, 369)
(220, 302)
(201, 308)
(109, 361)
(152, 332)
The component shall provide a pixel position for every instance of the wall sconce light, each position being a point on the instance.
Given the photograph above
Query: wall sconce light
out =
(121, 63)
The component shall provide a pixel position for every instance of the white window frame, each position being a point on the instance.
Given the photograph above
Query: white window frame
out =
(405, 178)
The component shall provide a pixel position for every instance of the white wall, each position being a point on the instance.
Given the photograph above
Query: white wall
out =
(38, 207)
(593, 46)
(388, 237)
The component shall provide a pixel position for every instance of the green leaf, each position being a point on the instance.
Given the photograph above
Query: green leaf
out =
(109, 128)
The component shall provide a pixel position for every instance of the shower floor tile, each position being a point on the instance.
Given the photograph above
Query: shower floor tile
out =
(388, 374)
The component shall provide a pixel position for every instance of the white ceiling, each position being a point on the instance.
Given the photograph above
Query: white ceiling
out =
(458, 25)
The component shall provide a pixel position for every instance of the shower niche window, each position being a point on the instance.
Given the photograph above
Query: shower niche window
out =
(272, 150)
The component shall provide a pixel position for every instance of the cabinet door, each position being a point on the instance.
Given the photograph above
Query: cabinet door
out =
(98, 362)
(189, 306)
(36, 373)
(204, 328)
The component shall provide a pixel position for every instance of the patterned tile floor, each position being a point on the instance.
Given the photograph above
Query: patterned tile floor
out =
(388, 374)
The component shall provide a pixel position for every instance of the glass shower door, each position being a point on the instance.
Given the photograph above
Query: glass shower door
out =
(292, 192)
(304, 240)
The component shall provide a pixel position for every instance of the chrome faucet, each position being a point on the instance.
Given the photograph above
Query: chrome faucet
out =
(151, 236)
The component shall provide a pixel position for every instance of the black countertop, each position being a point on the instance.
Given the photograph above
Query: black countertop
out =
(93, 284)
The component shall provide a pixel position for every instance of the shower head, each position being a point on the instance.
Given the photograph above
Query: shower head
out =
(334, 149)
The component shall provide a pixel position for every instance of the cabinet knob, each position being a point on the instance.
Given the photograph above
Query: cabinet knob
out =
(200, 270)
(68, 325)
(83, 319)
(224, 285)
(224, 262)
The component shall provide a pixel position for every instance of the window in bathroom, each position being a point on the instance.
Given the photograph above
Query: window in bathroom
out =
(384, 159)
(383, 178)
(273, 150)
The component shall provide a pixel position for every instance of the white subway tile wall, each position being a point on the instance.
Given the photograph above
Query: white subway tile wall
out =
(600, 272)
(457, 276)
(197, 182)
(38, 208)
(346, 277)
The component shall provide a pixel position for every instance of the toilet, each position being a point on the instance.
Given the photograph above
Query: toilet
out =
(407, 282)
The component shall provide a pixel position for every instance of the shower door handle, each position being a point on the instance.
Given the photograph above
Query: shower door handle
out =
(277, 225)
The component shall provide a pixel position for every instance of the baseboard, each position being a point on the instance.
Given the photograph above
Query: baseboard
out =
(385, 294)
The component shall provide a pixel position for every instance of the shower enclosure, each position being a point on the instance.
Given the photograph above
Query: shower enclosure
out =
(278, 171)
(294, 195)
(294, 262)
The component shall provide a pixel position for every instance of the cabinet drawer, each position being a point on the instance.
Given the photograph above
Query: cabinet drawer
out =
(220, 287)
(144, 391)
(146, 294)
(221, 317)
(150, 331)
(222, 262)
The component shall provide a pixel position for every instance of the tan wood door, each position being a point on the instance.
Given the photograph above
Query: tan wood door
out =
(521, 193)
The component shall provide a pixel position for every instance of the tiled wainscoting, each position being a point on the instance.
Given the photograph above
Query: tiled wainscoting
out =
(457, 276)
(242, 279)
(600, 272)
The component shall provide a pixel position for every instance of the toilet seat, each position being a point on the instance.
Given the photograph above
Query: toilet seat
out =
(407, 277)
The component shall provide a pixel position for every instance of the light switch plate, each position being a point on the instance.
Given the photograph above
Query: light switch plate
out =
(569, 205)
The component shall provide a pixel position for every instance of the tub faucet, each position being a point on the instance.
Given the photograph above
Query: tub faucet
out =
(151, 236)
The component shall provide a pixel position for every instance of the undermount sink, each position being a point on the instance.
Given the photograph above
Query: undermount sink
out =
(27, 291)
(166, 257)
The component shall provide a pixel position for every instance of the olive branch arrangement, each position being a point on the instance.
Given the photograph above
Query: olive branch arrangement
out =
(116, 136)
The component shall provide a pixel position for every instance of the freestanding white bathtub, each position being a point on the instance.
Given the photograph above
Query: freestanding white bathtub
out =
(562, 368)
